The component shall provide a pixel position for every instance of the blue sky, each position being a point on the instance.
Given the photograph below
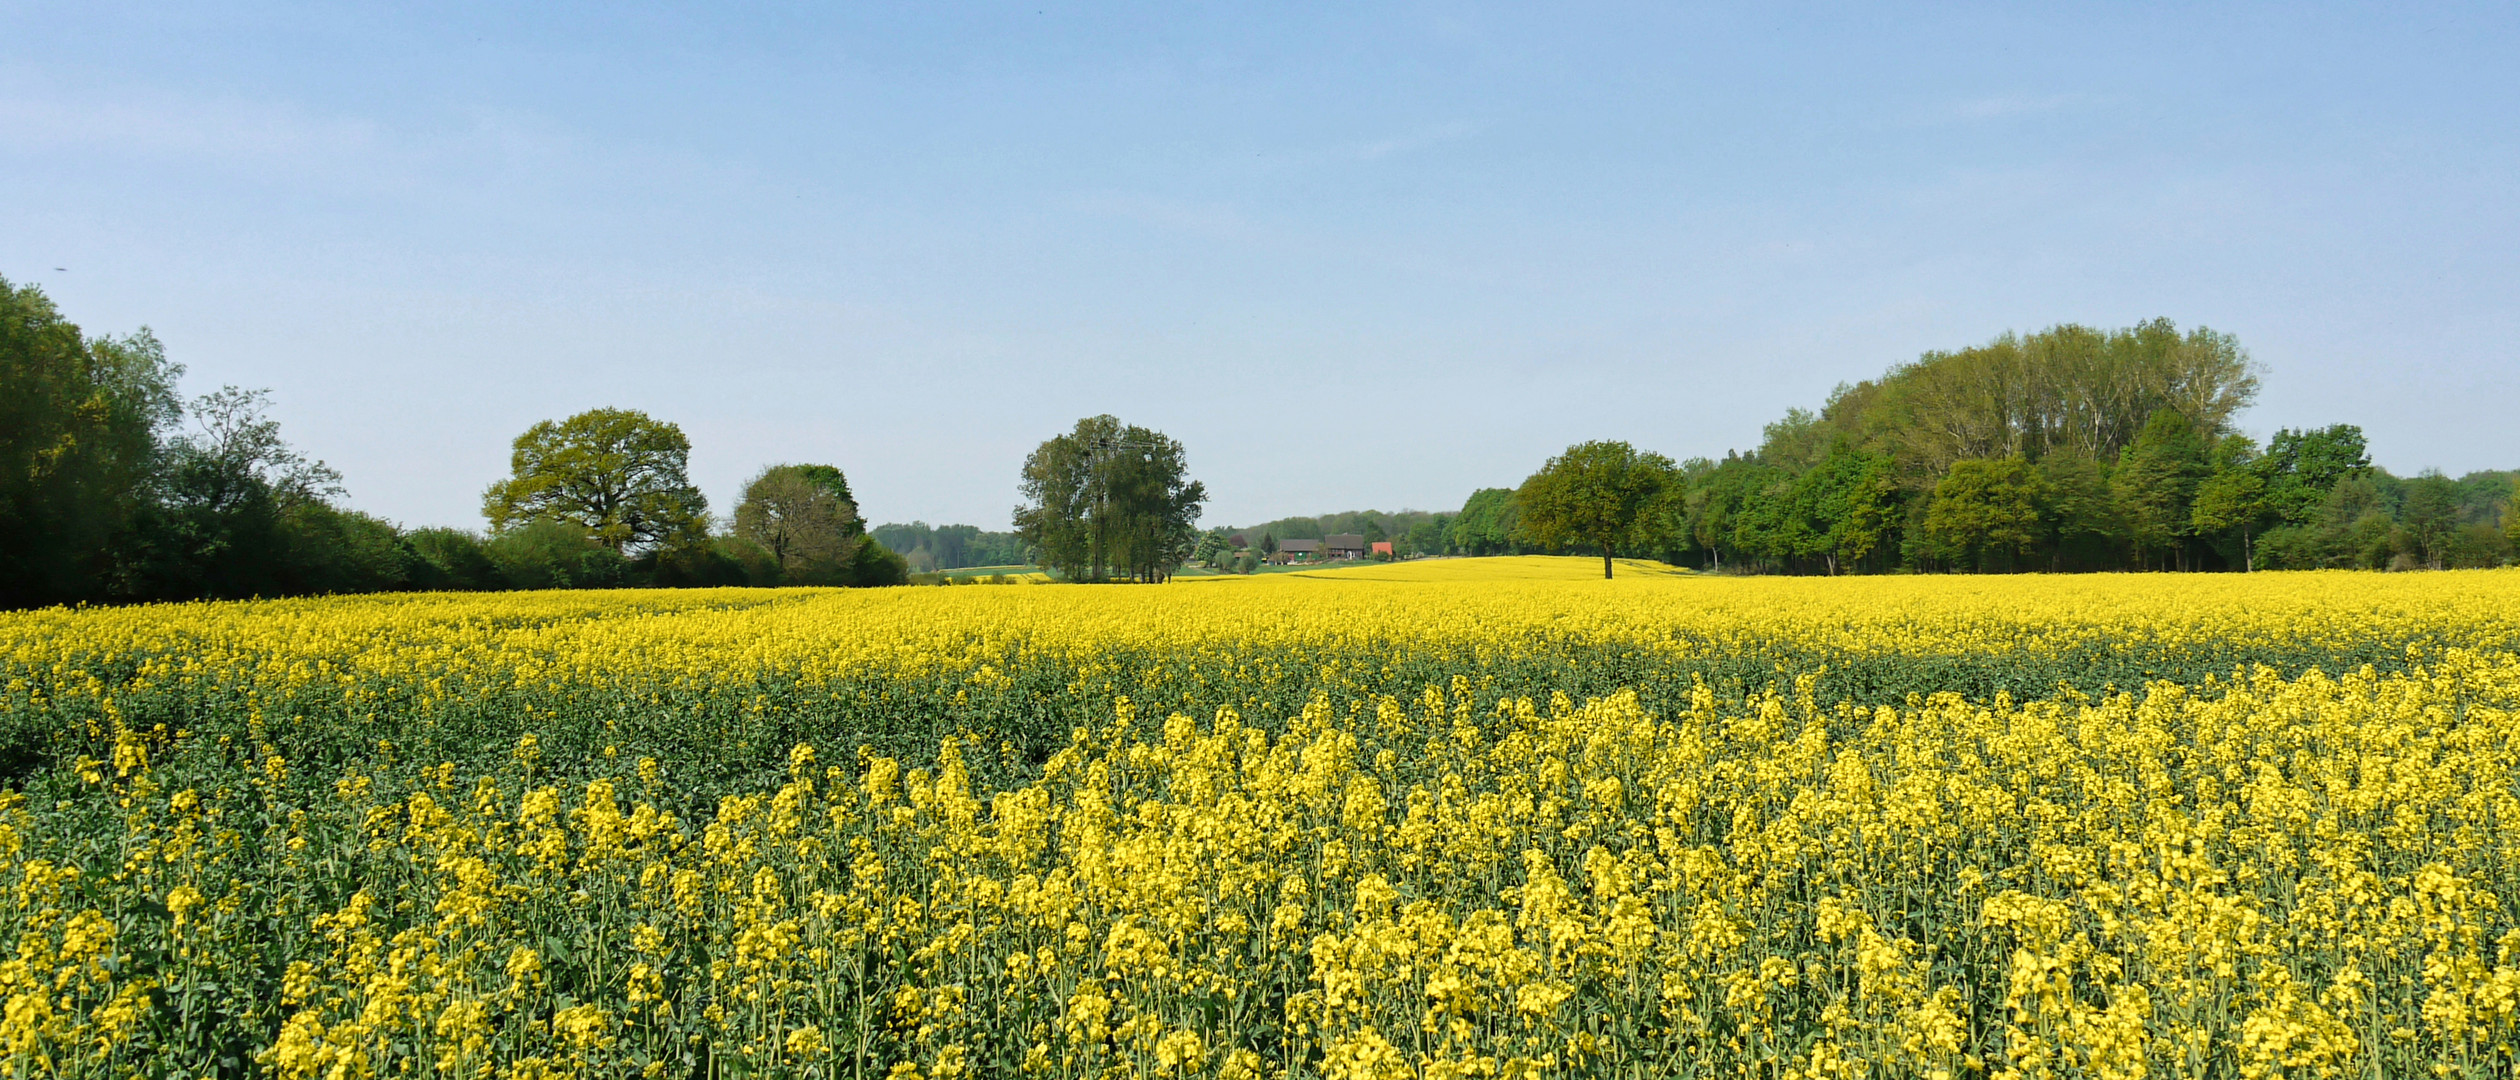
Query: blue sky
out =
(1351, 255)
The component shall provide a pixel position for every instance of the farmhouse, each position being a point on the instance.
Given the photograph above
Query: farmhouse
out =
(1343, 546)
(1290, 550)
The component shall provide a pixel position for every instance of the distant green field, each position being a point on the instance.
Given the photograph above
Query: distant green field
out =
(965, 575)
(1496, 568)
(1500, 568)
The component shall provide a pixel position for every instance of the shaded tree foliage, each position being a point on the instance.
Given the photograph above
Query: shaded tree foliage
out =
(2156, 483)
(1489, 524)
(555, 553)
(1430, 536)
(2428, 513)
(2511, 513)
(1843, 508)
(236, 512)
(801, 517)
(1985, 513)
(80, 426)
(450, 560)
(2230, 501)
(2299, 468)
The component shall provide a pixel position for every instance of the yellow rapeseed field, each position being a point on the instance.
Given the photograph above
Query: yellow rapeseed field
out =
(1524, 568)
(1470, 818)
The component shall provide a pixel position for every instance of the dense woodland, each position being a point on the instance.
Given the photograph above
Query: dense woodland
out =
(2073, 449)
(2069, 449)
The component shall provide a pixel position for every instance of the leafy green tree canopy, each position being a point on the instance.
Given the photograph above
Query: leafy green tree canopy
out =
(832, 480)
(2066, 389)
(2231, 501)
(794, 513)
(1487, 523)
(2156, 482)
(1109, 497)
(2511, 513)
(1844, 505)
(2301, 467)
(237, 512)
(1986, 510)
(619, 473)
(2429, 513)
(1603, 494)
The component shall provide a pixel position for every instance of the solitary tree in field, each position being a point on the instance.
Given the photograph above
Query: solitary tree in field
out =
(619, 473)
(1600, 493)
(1110, 498)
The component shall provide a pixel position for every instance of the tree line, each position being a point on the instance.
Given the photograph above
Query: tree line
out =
(115, 488)
(930, 548)
(2069, 449)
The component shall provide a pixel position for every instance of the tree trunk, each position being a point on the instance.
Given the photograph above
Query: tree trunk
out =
(1605, 562)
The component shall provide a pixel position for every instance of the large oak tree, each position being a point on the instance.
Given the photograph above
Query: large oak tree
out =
(1608, 495)
(620, 474)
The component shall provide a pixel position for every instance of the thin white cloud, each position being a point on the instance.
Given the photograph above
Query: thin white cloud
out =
(171, 126)
(2001, 107)
(270, 139)
(1412, 142)
(1211, 220)
(1338, 154)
